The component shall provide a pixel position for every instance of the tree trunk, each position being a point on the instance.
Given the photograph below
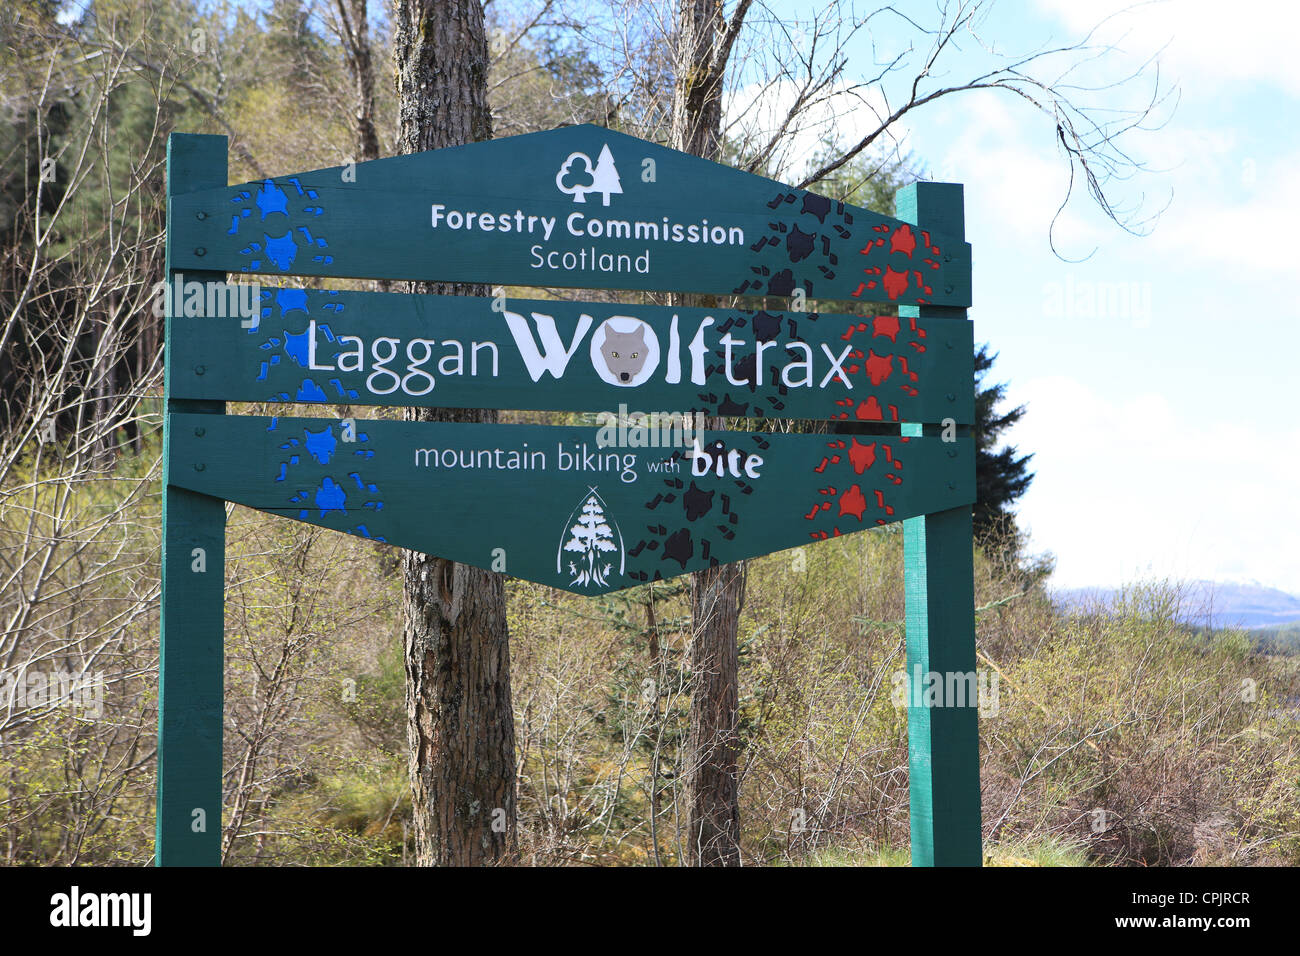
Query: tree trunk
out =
(356, 48)
(460, 723)
(697, 85)
(712, 754)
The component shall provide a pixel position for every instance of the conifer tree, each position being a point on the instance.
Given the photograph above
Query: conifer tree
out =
(1001, 476)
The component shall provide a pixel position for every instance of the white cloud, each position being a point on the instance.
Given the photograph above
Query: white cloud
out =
(1209, 42)
(1226, 202)
(1221, 226)
(1130, 486)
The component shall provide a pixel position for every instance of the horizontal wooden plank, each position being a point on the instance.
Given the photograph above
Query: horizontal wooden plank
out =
(579, 206)
(549, 505)
(373, 348)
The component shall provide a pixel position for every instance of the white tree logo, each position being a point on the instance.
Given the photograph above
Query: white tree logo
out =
(592, 542)
(577, 176)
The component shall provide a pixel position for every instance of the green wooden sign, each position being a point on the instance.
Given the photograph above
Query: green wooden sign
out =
(579, 206)
(456, 352)
(641, 493)
(552, 505)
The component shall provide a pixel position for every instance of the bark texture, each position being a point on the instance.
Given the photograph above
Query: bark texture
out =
(355, 29)
(712, 742)
(712, 754)
(697, 86)
(460, 720)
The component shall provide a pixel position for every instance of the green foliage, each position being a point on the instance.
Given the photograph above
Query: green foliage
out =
(1049, 851)
(542, 79)
(870, 180)
(1281, 639)
(1001, 476)
(376, 705)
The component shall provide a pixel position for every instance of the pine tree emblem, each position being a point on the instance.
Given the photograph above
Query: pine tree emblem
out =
(606, 176)
(594, 542)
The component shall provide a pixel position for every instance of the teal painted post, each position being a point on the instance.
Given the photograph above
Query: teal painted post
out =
(190, 680)
(942, 741)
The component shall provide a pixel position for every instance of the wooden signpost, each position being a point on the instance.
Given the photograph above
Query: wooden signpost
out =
(641, 493)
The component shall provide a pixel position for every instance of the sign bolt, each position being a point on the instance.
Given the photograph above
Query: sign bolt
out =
(951, 397)
(200, 216)
(200, 466)
(200, 369)
(201, 252)
(952, 486)
(198, 432)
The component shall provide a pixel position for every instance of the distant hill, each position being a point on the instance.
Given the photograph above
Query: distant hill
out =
(1208, 603)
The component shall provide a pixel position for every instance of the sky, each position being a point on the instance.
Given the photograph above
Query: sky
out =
(1157, 371)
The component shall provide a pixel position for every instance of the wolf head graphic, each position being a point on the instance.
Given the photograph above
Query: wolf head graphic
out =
(624, 353)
